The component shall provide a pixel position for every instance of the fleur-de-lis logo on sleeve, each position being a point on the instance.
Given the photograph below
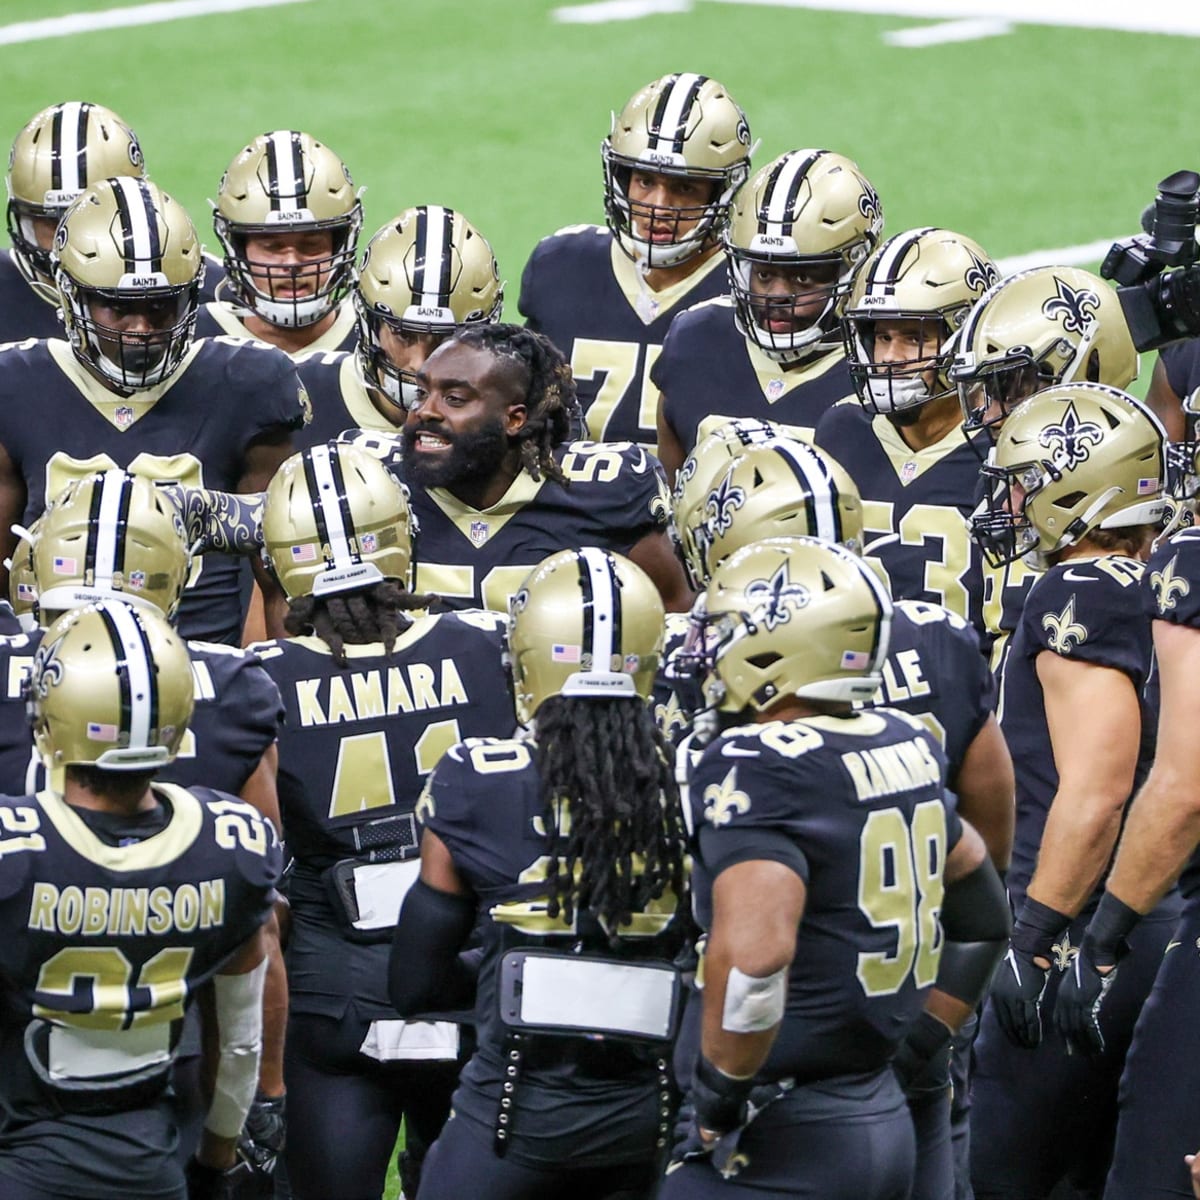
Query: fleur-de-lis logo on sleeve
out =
(1074, 307)
(1169, 588)
(1065, 632)
(775, 598)
(1070, 441)
(722, 800)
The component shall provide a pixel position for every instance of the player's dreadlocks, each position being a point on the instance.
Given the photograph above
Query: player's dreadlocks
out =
(550, 398)
(371, 614)
(605, 769)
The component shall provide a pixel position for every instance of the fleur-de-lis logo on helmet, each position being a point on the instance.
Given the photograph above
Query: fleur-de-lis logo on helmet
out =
(980, 275)
(723, 501)
(1065, 632)
(1070, 440)
(1074, 307)
(775, 598)
(722, 800)
(46, 672)
(1169, 588)
(868, 204)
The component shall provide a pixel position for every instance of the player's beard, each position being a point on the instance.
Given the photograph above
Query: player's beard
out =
(471, 457)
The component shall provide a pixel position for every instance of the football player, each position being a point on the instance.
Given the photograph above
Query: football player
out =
(1076, 477)
(132, 389)
(772, 349)
(287, 215)
(374, 693)
(61, 151)
(1155, 1127)
(569, 842)
(840, 818)
(1031, 331)
(121, 897)
(495, 484)
(425, 274)
(117, 536)
(933, 671)
(902, 443)
(676, 154)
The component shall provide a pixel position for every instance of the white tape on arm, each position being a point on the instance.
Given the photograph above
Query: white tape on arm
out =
(753, 1005)
(239, 1029)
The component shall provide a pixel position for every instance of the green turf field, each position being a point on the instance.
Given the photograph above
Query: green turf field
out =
(1046, 137)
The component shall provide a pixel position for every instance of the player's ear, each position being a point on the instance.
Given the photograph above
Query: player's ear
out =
(515, 417)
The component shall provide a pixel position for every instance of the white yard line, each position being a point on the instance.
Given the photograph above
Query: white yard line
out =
(947, 31)
(604, 11)
(120, 18)
(1065, 256)
(1149, 16)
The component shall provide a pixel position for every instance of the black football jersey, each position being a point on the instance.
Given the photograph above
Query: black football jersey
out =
(356, 747)
(484, 802)
(1171, 592)
(615, 495)
(916, 505)
(23, 313)
(339, 399)
(583, 292)
(236, 717)
(193, 429)
(1005, 590)
(1085, 609)
(105, 939)
(221, 317)
(856, 806)
(935, 672)
(709, 373)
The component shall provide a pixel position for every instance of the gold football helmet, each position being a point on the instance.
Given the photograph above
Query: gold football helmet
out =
(775, 489)
(1069, 460)
(928, 276)
(426, 273)
(1035, 329)
(706, 463)
(799, 230)
(335, 519)
(128, 269)
(682, 125)
(111, 684)
(790, 616)
(584, 623)
(288, 182)
(110, 536)
(63, 150)
(22, 585)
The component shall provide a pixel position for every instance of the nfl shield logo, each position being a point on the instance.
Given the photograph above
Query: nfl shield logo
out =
(908, 472)
(137, 580)
(774, 389)
(478, 532)
(369, 543)
(124, 416)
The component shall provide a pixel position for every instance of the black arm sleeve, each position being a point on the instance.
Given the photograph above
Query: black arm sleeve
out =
(976, 921)
(425, 971)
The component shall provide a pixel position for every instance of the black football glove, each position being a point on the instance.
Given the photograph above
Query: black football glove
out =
(1081, 996)
(1017, 991)
(264, 1134)
(212, 1183)
(922, 1061)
